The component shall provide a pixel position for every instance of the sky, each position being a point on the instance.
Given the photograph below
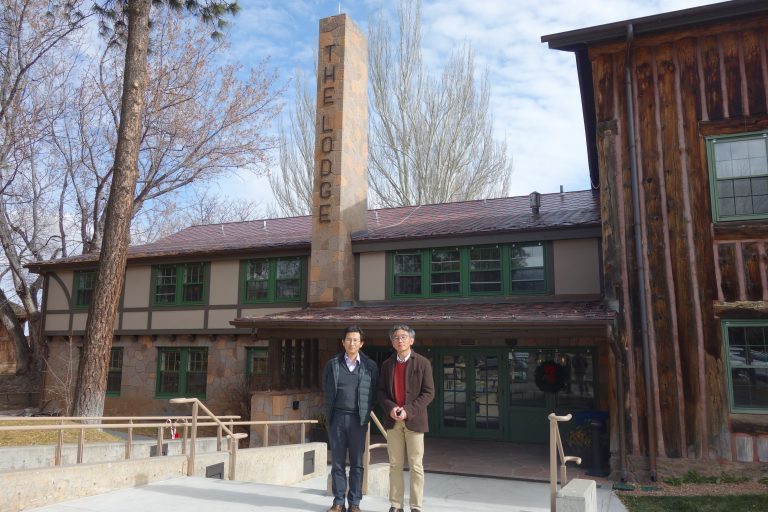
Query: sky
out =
(535, 101)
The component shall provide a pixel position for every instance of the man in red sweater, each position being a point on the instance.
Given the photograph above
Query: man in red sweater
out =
(405, 388)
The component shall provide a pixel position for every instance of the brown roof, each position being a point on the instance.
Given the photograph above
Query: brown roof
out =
(449, 316)
(503, 215)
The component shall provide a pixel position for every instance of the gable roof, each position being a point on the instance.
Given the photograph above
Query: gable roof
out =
(489, 216)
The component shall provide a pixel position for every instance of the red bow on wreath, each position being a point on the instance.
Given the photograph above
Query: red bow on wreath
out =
(550, 376)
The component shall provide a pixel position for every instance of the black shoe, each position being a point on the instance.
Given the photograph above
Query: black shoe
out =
(393, 509)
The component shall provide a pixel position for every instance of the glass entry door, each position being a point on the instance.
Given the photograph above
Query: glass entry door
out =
(471, 404)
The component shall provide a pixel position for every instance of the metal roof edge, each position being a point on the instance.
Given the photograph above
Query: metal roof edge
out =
(574, 40)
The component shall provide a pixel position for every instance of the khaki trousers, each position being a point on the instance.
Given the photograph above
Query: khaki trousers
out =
(399, 441)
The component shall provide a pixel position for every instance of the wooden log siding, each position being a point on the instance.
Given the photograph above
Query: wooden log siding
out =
(742, 270)
(686, 85)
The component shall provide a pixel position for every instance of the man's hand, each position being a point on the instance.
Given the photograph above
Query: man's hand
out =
(398, 414)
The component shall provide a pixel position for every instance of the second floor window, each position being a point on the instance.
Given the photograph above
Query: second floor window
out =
(738, 168)
(272, 280)
(179, 284)
(85, 281)
(510, 269)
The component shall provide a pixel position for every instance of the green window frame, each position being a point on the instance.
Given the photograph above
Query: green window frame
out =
(738, 176)
(257, 361)
(179, 284)
(469, 271)
(115, 374)
(272, 280)
(85, 282)
(181, 372)
(746, 357)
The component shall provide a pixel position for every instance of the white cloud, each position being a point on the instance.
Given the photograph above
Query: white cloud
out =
(535, 96)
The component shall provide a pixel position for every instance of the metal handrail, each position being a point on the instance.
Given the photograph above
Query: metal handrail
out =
(555, 449)
(369, 447)
(232, 437)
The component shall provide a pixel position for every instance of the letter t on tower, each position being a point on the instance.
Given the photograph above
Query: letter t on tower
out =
(340, 193)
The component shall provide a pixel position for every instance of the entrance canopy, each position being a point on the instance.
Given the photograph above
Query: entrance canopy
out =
(440, 320)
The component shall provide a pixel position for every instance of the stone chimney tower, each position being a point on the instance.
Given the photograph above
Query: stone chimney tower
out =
(339, 198)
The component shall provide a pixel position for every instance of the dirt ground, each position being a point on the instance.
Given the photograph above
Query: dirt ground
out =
(664, 489)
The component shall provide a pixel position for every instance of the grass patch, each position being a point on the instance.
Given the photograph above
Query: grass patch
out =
(693, 477)
(42, 437)
(743, 503)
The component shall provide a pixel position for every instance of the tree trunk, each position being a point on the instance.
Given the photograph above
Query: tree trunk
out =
(94, 363)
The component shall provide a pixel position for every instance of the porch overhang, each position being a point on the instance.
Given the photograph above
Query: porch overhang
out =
(466, 321)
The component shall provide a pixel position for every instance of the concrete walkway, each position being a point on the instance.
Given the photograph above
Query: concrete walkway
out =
(446, 493)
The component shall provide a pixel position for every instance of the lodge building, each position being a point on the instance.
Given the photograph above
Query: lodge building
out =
(646, 295)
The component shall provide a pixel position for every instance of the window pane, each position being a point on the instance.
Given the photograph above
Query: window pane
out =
(86, 282)
(165, 286)
(485, 269)
(407, 263)
(259, 359)
(114, 377)
(408, 285)
(193, 282)
(407, 270)
(748, 358)
(197, 372)
(288, 285)
(740, 168)
(527, 268)
(170, 366)
(257, 280)
(446, 275)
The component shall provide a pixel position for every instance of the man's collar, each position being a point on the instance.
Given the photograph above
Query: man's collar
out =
(352, 361)
(406, 358)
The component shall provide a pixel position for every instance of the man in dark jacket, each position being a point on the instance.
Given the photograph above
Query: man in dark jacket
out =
(405, 389)
(349, 384)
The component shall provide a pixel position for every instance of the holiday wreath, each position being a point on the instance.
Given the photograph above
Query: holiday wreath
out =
(550, 376)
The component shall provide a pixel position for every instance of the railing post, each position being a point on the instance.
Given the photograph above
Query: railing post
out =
(160, 441)
(193, 447)
(59, 447)
(303, 433)
(129, 441)
(184, 434)
(552, 463)
(232, 457)
(80, 445)
(218, 438)
(265, 441)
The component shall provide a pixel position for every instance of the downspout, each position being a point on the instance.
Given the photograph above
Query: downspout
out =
(639, 255)
(622, 419)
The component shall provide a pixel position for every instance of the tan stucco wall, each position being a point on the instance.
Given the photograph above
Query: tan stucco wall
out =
(577, 266)
(56, 297)
(178, 319)
(56, 322)
(78, 321)
(135, 320)
(137, 283)
(224, 282)
(373, 276)
(220, 318)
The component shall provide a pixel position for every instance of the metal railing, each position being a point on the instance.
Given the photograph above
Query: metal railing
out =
(129, 423)
(555, 449)
(369, 447)
(188, 425)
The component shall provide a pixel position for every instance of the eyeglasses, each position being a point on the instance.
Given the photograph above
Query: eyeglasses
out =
(352, 342)
(403, 337)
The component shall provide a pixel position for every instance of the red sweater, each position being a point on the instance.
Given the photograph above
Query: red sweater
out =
(398, 382)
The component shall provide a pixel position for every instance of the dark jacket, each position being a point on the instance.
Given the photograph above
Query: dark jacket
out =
(369, 374)
(419, 391)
